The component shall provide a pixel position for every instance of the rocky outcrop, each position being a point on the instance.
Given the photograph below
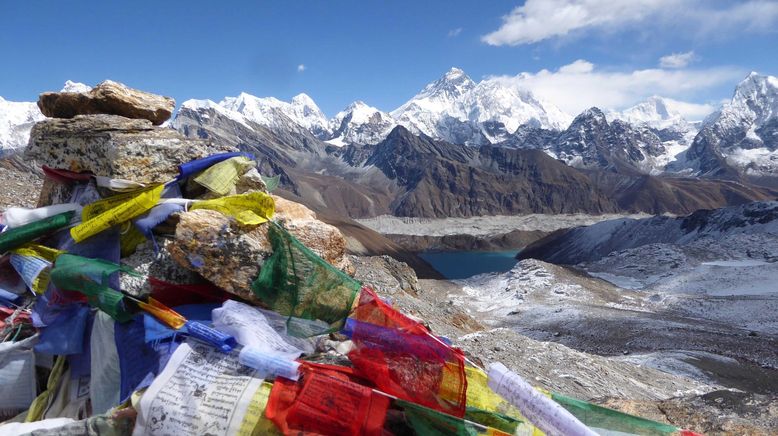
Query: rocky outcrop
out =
(722, 412)
(323, 239)
(231, 256)
(215, 246)
(386, 274)
(111, 98)
(112, 146)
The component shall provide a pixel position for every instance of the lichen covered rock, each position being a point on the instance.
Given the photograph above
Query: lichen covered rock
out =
(216, 247)
(112, 146)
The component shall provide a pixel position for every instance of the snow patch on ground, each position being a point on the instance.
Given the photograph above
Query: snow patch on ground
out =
(681, 363)
(620, 281)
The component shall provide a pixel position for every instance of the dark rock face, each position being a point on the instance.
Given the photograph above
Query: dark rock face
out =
(706, 153)
(113, 146)
(109, 98)
(442, 179)
(591, 142)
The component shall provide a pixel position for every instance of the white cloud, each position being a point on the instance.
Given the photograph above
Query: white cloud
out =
(578, 67)
(538, 20)
(677, 60)
(300, 68)
(454, 32)
(691, 111)
(580, 85)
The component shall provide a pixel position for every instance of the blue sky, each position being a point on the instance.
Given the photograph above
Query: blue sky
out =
(576, 53)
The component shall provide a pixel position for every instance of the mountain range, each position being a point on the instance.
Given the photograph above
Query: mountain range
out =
(651, 137)
(465, 148)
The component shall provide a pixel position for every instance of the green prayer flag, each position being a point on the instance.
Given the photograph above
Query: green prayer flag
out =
(90, 277)
(295, 282)
(271, 183)
(428, 422)
(18, 236)
(492, 419)
(598, 417)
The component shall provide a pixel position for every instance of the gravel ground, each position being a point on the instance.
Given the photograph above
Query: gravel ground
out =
(483, 225)
(20, 187)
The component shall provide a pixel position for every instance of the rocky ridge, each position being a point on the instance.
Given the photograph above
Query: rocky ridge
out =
(740, 138)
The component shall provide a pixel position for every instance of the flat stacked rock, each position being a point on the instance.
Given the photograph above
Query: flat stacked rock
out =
(112, 146)
(110, 98)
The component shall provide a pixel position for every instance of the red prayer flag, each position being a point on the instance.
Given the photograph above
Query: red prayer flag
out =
(403, 359)
(173, 294)
(325, 402)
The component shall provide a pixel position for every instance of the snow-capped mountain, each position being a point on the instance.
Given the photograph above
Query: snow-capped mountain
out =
(591, 141)
(742, 136)
(276, 114)
(663, 117)
(71, 86)
(360, 123)
(17, 118)
(655, 112)
(457, 109)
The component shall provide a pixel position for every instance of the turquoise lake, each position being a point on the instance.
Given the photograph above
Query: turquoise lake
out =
(463, 264)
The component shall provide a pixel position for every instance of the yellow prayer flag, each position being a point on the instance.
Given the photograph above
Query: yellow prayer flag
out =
(255, 423)
(222, 177)
(249, 209)
(39, 251)
(106, 213)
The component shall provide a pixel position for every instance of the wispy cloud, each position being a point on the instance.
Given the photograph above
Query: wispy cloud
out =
(454, 32)
(581, 84)
(301, 68)
(538, 20)
(677, 60)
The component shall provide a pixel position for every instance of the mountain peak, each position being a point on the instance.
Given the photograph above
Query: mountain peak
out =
(756, 97)
(454, 73)
(71, 86)
(303, 99)
(656, 112)
(400, 133)
(756, 82)
(592, 112)
(451, 85)
(357, 104)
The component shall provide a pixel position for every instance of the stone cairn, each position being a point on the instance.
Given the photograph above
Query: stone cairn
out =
(116, 132)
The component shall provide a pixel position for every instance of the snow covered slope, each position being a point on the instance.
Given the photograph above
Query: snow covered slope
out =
(276, 114)
(586, 244)
(17, 118)
(656, 112)
(457, 109)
